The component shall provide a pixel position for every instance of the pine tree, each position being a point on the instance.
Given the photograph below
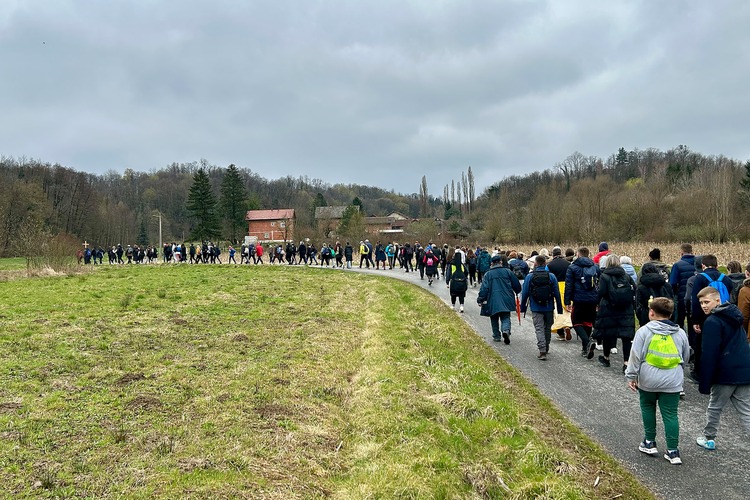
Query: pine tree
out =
(142, 239)
(201, 205)
(233, 202)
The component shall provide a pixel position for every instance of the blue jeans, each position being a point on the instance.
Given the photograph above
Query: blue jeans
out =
(500, 323)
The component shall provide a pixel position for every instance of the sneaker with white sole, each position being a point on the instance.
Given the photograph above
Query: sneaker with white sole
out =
(648, 447)
(613, 350)
(704, 442)
(461, 309)
(673, 457)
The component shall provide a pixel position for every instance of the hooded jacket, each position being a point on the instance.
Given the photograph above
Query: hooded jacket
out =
(651, 378)
(574, 289)
(614, 321)
(681, 271)
(499, 289)
(651, 285)
(726, 353)
(697, 315)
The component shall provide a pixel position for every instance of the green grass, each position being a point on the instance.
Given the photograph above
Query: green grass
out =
(219, 381)
(12, 264)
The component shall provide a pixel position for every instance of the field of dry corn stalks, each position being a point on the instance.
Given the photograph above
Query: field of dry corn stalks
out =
(670, 252)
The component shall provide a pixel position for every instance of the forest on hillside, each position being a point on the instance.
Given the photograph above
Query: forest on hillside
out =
(674, 195)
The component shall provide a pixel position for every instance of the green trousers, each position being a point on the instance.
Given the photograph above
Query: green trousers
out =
(668, 403)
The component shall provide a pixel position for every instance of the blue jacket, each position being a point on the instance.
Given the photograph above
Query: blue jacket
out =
(499, 289)
(483, 261)
(681, 271)
(726, 353)
(519, 263)
(574, 289)
(697, 315)
(528, 301)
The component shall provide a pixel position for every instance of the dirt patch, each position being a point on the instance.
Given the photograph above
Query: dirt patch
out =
(130, 377)
(191, 464)
(144, 403)
(240, 337)
(280, 381)
(274, 412)
(223, 397)
(9, 407)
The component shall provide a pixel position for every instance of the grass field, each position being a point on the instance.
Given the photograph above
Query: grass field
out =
(270, 382)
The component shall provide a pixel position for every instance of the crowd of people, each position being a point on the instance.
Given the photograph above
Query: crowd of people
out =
(689, 314)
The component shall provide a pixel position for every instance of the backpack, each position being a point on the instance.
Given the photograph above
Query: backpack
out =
(662, 352)
(326, 252)
(621, 293)
(457, 274)
(590, 278)
(737, 284)
(518, 271)
(541, 287)
(719, 285)
(430, 261)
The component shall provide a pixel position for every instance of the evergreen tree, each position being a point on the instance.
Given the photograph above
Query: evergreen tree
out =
(233, 202)
(142, 239)
(201, 204)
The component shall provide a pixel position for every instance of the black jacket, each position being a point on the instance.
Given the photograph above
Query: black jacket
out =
(614, 321)
(726, 353)
(559, 267)
(651, 285)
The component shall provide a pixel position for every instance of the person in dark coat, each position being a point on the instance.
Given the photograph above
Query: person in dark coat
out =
(615, 320)
(725, 364)
(497, 297)
(682, 270)
(650, 286)
(483, 263)
(581, 299)
(431, 263)
(559, 267)
(457, 279)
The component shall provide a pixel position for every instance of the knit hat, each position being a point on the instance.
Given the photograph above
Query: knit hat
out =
(603, 246)
(655, 254)
(496, 258)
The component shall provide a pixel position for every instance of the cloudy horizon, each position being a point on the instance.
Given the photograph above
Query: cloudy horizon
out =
(370, 93)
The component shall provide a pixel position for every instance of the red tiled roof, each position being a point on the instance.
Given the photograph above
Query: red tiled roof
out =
(284, 213)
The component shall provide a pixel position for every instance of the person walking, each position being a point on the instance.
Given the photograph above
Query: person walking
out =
(655, 370)
(456, 278)
(615, 317)
(541, 293)
(497, 297)
(725, 363)
(581, 299)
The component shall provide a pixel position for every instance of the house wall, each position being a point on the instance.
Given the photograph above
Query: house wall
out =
(271, 230)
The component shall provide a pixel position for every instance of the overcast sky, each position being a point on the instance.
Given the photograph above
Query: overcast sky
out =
(370, 92)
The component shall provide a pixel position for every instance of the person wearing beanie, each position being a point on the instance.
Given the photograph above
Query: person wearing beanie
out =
(603, 250)
(655, 258)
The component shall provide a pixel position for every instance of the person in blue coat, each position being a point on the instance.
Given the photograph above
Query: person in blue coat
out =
(497, 297)
(725, 364)
(483, 263)
(541, 293)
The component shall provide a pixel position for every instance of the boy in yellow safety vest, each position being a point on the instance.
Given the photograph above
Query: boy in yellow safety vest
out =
(660, 348)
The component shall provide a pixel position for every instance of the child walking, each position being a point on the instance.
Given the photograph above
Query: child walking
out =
(660, 349)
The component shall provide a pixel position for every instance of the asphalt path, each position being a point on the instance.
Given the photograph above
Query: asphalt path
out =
(598, 401)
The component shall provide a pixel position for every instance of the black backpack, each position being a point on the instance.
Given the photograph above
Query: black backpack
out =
(518, 271)
(736, 286)
(541, 287)
(621, 293)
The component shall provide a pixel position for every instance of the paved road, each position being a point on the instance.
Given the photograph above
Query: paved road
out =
(598, 401)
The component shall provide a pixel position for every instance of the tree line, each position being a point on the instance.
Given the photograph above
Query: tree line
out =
(674, 195)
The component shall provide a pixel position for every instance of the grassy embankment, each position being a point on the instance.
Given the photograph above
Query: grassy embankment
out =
(174, 381)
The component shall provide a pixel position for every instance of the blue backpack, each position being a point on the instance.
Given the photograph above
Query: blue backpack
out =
(719, 285)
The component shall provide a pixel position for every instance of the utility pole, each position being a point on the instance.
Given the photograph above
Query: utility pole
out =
(161, 244)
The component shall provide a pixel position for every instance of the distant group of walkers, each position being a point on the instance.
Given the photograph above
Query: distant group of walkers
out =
(688, 314)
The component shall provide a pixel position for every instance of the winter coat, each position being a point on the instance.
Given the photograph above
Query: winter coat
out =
(559, 266)
(457, 287)
(726, 354)
(631, 271)
(483, 261)
(614, 321)
(697, 315)
(651, 285)
(650, 378)
(598, 257)
(743, 303)
(519, 264)
(348, 251)
(528, 301)
(575, 291)
(681, 271)
(499, 289)
(430, 270)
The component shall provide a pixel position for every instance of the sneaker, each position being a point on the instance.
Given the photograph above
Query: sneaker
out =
(598, 347)
(584, 353)
(706, 443)
(542, 356)
(613, 350)
(568, 335)
(648, 447)
(590, 349)
(461, 309)
(624, 369)
(603, 361)
(506, 338)
(682, 394)
(673, 456)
